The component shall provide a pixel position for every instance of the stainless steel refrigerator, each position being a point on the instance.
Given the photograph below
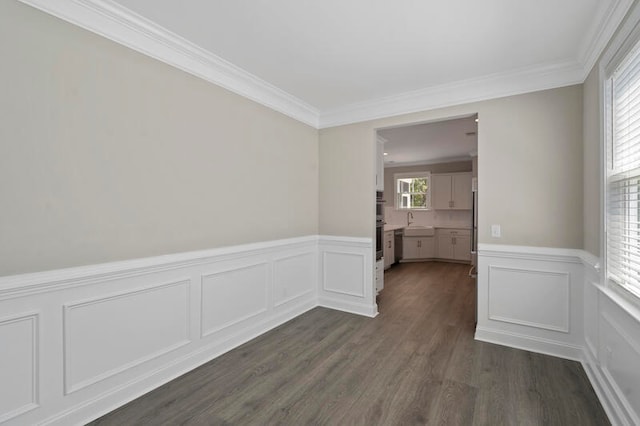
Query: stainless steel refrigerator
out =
(473, 272)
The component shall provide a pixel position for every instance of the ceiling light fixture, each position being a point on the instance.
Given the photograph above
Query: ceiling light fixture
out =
(386, 153)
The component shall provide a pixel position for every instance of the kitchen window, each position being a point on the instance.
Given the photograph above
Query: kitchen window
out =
(412, 191)
(622, 137)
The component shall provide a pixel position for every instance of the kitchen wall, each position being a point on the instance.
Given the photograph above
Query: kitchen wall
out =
(530, 169)
(425, 218)
(452, 167)
(108, 154)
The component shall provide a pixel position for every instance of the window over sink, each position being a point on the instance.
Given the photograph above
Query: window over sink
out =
(412, 191)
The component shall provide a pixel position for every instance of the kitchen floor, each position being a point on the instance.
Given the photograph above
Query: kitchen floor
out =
(415, 363)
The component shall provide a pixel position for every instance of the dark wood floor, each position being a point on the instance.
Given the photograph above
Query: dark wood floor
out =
(416, 363)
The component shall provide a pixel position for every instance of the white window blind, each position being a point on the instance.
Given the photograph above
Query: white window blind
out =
(623, 174)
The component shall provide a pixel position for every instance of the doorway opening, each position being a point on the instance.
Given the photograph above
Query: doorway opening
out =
(428, 175)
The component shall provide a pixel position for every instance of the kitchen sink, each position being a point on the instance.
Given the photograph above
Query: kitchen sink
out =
(418, 231)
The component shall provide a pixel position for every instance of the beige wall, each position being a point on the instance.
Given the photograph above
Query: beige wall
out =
(106, 154)
(389, 192)
(591, 158)
(529, 164)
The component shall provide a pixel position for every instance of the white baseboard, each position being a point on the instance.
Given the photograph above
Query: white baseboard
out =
(606, 395)
(529, 343)
(346, 306)
(84, 341)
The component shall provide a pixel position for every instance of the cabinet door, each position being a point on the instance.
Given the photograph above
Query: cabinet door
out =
(427, 247)
(461, 197)
(441, 192)
(410, 248)
(388, 250)
(445, 245)
(379, 276)
(462, 247)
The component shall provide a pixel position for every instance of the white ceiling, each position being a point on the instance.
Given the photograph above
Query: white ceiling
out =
(331, 62)
(333, 53)
(442, 141)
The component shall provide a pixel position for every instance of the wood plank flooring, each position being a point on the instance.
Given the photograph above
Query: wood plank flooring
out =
(416, 363)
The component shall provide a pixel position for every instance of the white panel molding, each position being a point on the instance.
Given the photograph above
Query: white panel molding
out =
(69, 385)
(327, 285)
(599, 305)
(278, 271)
(121, 25)
(245, 316)
(523, 317)
(33, 319)
(605, 395)
(344, 260)
(95, 406)
(564, 327)
(70, 296)
(611, 382)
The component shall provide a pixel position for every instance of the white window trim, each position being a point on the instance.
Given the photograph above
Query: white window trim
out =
(397, 176)
(627, 37)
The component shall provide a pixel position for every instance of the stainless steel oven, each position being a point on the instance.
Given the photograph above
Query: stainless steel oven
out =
(379, 225)
(379, 238)
(379, 207)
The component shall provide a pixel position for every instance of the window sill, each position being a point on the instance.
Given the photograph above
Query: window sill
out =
(622, 298)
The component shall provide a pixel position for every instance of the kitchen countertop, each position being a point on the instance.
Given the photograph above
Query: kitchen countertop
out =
(390, 227)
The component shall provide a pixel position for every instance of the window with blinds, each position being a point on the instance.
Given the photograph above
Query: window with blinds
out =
(623, 174)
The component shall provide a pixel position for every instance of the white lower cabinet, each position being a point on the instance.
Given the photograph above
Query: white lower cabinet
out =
(454, 244)
(379, 276)
(418, 248)
(388, 249)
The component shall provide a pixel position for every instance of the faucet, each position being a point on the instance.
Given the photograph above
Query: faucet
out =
(409, 215)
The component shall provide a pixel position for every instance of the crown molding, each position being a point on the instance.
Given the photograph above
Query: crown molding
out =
(461, 92)
(119, 24)
(516, 82)
(603, 27)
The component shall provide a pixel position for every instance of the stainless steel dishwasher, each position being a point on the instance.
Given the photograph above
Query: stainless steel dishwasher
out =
(397, 236)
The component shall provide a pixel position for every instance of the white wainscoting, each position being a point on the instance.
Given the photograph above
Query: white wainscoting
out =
(18, 365)
(346, 275)
(531, 298)
(79, 342)
(551, 301)
(612, 347)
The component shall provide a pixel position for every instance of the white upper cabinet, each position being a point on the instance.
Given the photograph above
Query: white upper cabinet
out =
(451, 191)
(380, 164)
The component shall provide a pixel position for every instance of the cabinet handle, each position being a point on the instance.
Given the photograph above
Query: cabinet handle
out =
(453, 240)
(389, 244)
